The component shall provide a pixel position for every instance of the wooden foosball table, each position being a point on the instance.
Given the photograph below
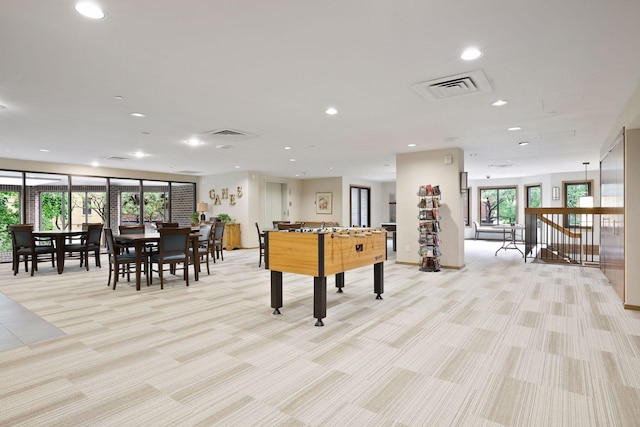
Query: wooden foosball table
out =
(321, 253)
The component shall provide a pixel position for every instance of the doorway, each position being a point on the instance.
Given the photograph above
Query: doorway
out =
(276, 201)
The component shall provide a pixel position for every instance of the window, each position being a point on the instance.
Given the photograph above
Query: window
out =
(360, 207)
(88, 200)
(498, 205)
(573, 191)
(534, 196)
(52, 193)
(156, 202)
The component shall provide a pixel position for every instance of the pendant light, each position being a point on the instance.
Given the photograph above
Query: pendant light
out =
(586, 202)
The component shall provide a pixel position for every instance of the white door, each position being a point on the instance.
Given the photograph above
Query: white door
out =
(275, 203)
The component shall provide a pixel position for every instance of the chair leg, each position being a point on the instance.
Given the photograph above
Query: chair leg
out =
(109, 281)
(160, 273)
(186, 272)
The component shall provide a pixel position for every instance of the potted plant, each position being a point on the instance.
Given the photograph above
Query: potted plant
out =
(195, 218)
(225, 218)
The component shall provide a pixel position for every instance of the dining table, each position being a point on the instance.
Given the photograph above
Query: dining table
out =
(140, 240)
(59, 237)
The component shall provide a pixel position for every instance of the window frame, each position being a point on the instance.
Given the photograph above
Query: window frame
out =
(498, 189)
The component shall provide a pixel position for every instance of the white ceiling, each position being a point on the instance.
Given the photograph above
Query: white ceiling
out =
(271, 68)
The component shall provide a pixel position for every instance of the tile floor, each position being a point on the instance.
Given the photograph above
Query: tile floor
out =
(19, 326)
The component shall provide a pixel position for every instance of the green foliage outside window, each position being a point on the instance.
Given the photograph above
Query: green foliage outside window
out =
(155, 206)
(9, 214)
(54, 215)
(498, 205)
(534, 197)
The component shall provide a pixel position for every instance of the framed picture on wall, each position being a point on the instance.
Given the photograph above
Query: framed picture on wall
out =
(324, 202)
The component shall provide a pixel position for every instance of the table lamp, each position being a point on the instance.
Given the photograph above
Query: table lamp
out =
(202, 207)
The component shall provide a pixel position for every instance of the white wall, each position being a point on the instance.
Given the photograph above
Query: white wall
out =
(240, 211)
(309, 188)
(427, 167)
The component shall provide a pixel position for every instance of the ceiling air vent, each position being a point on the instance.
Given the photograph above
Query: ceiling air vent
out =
(454, 86)
(188, 172)
(227, 134)
(117, 158)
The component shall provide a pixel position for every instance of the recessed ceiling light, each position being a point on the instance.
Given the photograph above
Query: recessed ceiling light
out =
(473, 154)
(137, 115)
(331, 111)
(523, 143)
(95, 164)
(139, 154)
(292, 160)
(44, 150)
(411, 145)
(471, 53)
(237, 167)
(287, 148)
(223, 146)
(193, 142)
(89, 9)
(499, 103)
(515, 128)
(119, 98)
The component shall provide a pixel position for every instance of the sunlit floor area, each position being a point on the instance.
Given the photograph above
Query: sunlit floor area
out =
(499, 342)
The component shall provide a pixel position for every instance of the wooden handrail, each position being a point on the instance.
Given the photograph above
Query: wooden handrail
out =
(576, 211)
(559, 227)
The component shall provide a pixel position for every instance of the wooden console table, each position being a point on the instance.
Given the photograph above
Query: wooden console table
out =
(231, 239)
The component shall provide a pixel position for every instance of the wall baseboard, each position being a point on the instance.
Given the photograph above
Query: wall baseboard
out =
(632, 307)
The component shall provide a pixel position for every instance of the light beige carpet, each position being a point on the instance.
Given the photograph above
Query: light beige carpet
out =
(497, 343)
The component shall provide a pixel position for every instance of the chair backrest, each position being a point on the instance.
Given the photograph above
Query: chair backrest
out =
(22, 235)
(94, 233)
(167, 225)
(218, 232)
(85, 225)
(131, 229)
(260, 235)
(174, 241)
(205, 232)
(287, 226)
(108, 237)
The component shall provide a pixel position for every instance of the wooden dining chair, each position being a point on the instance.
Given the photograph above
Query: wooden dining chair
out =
(218, 240)
(90, 243)
(288, 226)
(160, 225)
(261, 244)
(118, 258)
(29, 247)
(173, 249)
(205, 245)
